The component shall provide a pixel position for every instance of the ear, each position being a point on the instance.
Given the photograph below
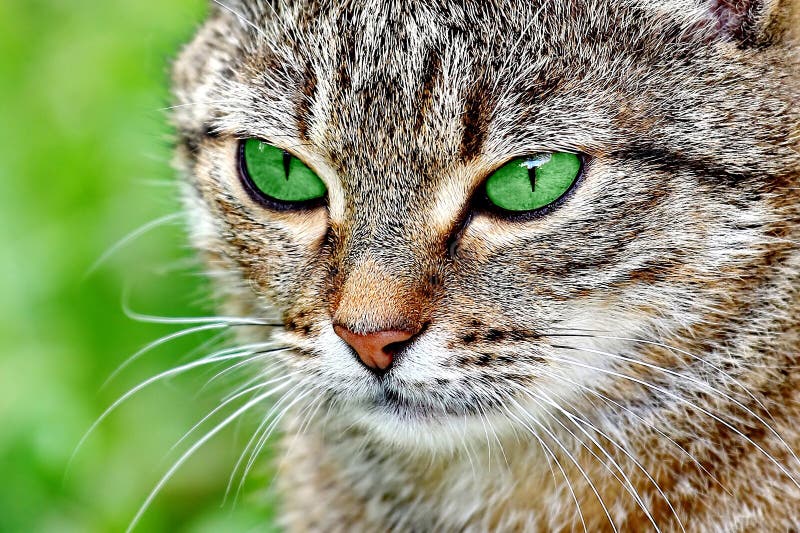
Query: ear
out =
(240, 7)
(247, 11)
(754, 23)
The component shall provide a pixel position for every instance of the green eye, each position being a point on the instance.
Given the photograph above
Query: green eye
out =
(277, 176)
(530, 183)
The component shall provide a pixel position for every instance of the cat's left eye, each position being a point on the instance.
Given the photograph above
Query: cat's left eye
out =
(277, 178)
(532, 183)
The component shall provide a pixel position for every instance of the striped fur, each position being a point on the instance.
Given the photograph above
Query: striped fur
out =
(627, 360)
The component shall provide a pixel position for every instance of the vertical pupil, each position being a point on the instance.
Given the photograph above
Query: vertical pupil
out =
(532, 178)
(287, 163)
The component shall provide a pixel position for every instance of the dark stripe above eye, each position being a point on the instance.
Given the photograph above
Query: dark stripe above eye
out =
(431, 76)
(708, 169)
(305, 101)
(475, 121)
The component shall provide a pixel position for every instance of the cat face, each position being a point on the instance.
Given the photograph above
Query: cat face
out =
(675, 221)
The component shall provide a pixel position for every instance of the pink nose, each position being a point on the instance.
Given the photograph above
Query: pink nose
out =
(374, 349)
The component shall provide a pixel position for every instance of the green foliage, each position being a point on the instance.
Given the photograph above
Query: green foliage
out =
(84, 159)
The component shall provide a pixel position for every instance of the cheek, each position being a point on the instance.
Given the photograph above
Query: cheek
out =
(293, 255)
(307, 229)
(498, 271)
(278, 254)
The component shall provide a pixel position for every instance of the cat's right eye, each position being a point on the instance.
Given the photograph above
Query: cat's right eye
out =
(278, 179)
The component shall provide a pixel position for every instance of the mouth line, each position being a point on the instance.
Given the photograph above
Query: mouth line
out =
(391, 400)
(399, 405)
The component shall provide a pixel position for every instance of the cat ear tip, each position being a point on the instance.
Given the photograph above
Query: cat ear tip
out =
(751, 22)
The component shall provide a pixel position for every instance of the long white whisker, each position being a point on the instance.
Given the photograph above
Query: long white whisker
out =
(574, 461)
(130, 237)
(146, 383)
(641, 419)
(256, 356)
(696, 381)
(558, 464)
(632, 491)
(625, 482)
(229, 320)
(189, 104)
(301, 430)
(210, 344)
(482, 418)
(242, 19)
(276, 365)
(635, 462)
(693, 356)
(268, 433)
(226, 402)
(262, 429)
(159, 342)
(249, 405)
(319, 400)
(686, 402)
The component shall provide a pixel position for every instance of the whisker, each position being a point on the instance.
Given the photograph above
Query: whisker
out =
(256, 356)
(276, 365)
(308, 416)
(466, 450)
(549, 452)
(641, 419)
(684, 401)
(574, 418)
(693, 356)
(573, 460)
(212, 343)
(319, 400)
(242, 19)
(144, 384)
(228, 401)
(268, 433)
(482, 418)
(638, 464)
(155, 344)
(130, 237)
(208, 436)
(228, 320)
(697, 382)
(625, 482)
(189, 104)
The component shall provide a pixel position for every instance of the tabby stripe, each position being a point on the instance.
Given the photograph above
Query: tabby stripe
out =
(475, 121)
(431, 77)
(308, 92)
(669, 160)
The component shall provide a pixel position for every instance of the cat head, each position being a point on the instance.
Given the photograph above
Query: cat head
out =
(412, 296)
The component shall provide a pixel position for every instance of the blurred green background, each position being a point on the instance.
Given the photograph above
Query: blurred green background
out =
(84, 159)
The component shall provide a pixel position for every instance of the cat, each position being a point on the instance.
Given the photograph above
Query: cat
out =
(537, 261)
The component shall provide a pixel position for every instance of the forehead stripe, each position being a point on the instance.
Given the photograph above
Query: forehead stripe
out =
(475, 121)
(305, 103)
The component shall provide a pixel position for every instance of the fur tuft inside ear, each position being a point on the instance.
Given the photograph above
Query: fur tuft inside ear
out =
(752, 22)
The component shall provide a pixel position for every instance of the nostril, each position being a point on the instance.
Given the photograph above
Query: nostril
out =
(394, 347)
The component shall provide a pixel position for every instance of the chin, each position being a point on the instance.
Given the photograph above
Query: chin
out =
(422, 428)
